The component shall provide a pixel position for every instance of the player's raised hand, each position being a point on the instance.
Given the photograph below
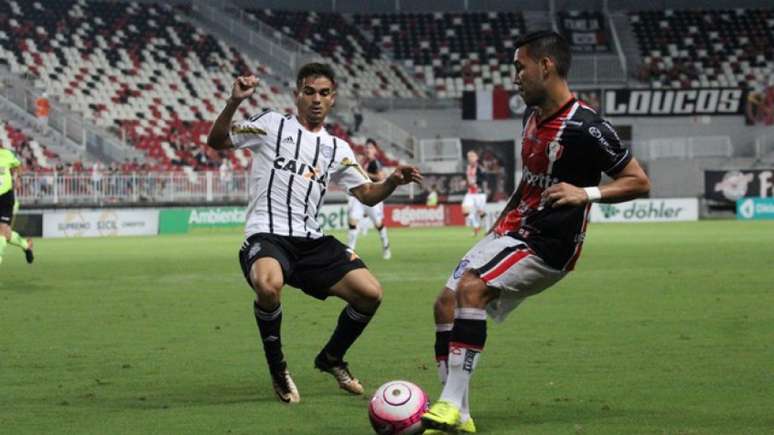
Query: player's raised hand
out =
(244, 86)
(561, 194)
(405, 174)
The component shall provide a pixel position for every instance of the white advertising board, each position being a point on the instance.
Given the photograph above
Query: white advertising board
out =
(100, 223)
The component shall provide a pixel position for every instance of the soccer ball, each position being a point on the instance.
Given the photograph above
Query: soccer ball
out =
(397, 407)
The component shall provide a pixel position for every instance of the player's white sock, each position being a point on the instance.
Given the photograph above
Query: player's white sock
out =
(383, 236)
(352, 238)
(462, 363)
(465, 408)
(468, 338)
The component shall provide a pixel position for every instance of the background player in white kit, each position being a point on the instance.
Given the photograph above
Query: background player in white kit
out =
(474, 202)
(294, 159)
(358, 211)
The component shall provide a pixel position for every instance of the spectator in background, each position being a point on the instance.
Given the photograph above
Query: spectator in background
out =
(753, 107)
(357, 114)
(96, 178)
(432, 197)
(42, 108)
(768, 103)
(226, 172)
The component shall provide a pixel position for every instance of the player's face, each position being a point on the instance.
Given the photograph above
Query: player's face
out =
(472, 157)
(528, 78)
(371, 152)
(314, 99)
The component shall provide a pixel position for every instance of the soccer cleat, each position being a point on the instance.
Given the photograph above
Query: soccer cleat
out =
(284, 386)
(442, 416)
(467, 426)
(386, 254)
(28, 252)
(340, 371)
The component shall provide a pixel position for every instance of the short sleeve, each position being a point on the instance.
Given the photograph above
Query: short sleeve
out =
(608, 155)
(346, 171)
(14, 161)
(251, 132)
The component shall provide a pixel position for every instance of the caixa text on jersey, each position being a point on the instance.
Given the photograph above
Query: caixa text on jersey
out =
(300, 168)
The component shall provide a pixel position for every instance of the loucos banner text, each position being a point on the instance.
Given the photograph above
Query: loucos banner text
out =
(502, 104)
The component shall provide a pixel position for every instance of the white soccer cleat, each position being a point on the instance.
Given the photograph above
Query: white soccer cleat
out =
(386, 254)
(284, 386)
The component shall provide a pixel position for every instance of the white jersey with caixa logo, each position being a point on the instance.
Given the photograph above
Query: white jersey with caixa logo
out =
(290, 173)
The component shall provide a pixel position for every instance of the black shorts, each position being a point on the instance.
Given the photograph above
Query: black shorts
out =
(7, 201)
(312, 265)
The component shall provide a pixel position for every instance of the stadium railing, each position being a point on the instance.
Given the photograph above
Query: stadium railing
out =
(134, 188)
(149, 188)
(685, 147)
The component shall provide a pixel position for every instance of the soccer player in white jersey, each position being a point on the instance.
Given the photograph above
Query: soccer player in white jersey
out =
(376, 213)
(537, 239)
(294, 160)
(474, 202)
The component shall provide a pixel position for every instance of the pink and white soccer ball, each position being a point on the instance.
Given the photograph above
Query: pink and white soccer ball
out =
(397, 407)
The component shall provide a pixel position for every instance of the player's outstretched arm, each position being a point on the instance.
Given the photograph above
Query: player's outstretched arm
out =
(243, 87)
(629, 183)
(373, 193)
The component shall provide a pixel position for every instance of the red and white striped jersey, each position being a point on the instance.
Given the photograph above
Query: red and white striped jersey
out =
(574, 145)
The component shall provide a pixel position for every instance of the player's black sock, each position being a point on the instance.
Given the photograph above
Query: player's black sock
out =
(469, 333)
(442, 339)
(269, 323)
(351, 325)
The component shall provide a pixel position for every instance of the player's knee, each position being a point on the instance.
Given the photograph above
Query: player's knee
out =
(471, 291)
(444, 305)
(267, 287)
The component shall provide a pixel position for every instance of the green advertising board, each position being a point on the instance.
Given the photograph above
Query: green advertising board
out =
(181, 220)
(755, 208)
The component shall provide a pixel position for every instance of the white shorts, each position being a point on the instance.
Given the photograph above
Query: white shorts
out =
(474, 202)
(357, 210)
(507, 264)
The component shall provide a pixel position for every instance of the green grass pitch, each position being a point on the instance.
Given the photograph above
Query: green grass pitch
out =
(662, 329)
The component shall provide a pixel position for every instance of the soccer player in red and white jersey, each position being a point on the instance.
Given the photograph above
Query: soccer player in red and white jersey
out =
(537, 239)
(294, 159)
(474, 202)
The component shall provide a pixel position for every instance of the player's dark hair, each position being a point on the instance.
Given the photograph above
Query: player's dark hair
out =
(315, 69)
(546, 43)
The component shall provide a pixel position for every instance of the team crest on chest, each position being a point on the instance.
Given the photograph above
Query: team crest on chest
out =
(327, 151)
(554, 151)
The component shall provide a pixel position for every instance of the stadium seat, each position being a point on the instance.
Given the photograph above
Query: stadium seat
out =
(699, 48)
(440, 46)
(138, 69)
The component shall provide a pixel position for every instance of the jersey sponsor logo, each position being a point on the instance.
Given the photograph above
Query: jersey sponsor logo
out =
(236, 129)
(299, 168)
(539, 180)
(461, 268)
(596, 134)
